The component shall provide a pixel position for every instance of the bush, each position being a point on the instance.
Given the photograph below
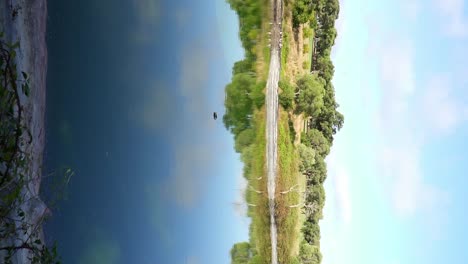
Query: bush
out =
(286, 96)
(306, 48)
(307, 32)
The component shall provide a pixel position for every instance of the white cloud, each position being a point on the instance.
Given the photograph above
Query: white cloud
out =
(397, 68)
(343, 194)
(451, 11)
(411, 9)
(192, 163)
(341, 188)
(440, 109)
(148, 14)
(158, 108)
(410, 193)
(180, 111)
(402, 136)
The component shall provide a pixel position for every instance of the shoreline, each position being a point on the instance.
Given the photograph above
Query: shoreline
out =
(28, 26)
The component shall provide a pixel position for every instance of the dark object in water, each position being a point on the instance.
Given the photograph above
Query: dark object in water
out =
(215, 115)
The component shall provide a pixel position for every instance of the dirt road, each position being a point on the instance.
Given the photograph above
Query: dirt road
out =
(272, 120)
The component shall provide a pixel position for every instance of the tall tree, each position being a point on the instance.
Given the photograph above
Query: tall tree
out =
(240, 253)
(286, 97)
(307, 156)
(315, 139)
(309, 95)
(238, 103)
(310, 254)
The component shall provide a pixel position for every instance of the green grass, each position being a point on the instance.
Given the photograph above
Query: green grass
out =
(311, 49)
(263, 53)
(284, 52)
(260, 214)
(289, 219)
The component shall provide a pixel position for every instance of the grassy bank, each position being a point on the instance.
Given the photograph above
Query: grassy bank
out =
(288, 204)
(257, 194)
(245, 118)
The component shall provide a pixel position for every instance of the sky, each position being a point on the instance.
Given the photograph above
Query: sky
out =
(396, 184)
(131, 89)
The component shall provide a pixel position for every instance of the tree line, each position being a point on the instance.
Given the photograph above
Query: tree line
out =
(312, 95)
(244, 95)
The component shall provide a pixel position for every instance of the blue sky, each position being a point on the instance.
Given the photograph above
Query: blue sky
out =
(396, 172)
(132, 86)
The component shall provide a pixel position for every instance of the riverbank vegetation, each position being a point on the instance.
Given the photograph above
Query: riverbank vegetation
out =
(309, 97)
(21, 211)
(309, 119)
(245, 119)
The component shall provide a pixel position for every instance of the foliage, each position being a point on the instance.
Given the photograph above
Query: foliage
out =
(238, 103)
(19, 225)
(302, 12)
(240, 253)
(256, 260)
(244, 139)
(286, 96)
(309, 91)
(313, 95)
(250, 18)
(295, 261)
(307, 32)
(287, 218)
(311, 232)
(329, 121)
(310, 254)
(315, 140)
(306, 48)
(307, 156)
(242, 66)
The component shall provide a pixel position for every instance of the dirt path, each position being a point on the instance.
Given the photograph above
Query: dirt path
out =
(272, 121)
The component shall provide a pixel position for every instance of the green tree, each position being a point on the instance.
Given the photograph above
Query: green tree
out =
(238, 103)
(310, 254)
(257, 260)
(329, 121)
(302, 12)
(317, 195)
(325, 67)
(286, 97)
(257, 95)
(309, 95)
(307, 31)
(315, 140)
(311, 231)
(318, 174)
(326, 39)
(244, 139)
(307, 156)
(240, 253)
(242, 66)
